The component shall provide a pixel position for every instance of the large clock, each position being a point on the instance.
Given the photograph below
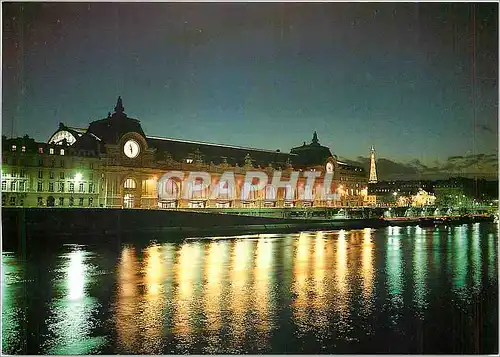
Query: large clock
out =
(131, 149)
(329, 168)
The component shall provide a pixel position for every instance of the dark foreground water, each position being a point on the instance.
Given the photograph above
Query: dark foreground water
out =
(392, 290)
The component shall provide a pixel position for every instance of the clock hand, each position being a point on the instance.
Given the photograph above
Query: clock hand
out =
(131, 148)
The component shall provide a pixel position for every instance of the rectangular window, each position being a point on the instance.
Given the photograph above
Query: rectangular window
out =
(91, 188)
(61, 201)
(4, 185)
(40, 150)
(61, 175)
(62, 151)
(14, 173)
(71, 187)
(14, 147)
(62, 163)
(21, 202)
(71, 201)
(90, 201)
(51, 187)
(80, 201)
(40, 187)
(40, 162)
(91, 166)
(22, 173)
(23, 148)
(40, 174)
(13, 201)
(13, 185)
(51, 174)
(21, 186)
(61, 186)
(40, 201)
(51, 151)
(80, 189)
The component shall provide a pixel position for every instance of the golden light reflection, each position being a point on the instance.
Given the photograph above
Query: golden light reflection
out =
(127, 303)
(152, 319)
(367, 268)
(300, 275)
(186, 272)
(214, 270)
(240, 293)
(263, 278)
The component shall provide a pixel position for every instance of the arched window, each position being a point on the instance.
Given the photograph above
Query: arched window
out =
(270, 193)
(129, 183)
(289, 192)
(172, 189)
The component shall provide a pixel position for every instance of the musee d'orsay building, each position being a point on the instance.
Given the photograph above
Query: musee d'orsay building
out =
(113, 163)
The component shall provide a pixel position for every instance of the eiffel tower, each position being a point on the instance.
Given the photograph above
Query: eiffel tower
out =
(373, 170)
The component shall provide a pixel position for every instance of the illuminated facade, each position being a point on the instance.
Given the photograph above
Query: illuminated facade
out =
(113, 163)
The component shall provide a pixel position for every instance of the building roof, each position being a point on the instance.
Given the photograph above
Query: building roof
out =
(180, 150)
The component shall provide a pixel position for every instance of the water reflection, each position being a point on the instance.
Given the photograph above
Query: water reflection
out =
(310, 292)
(394, 272)
(127, 303)
(73, 314)
(12, 313)
(240, 290)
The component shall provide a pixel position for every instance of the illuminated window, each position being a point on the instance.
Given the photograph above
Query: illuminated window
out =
(189, 161)
(14, 147)
(40, 150)
(23, 148)
(129, 183)
(51, 151)
(62, 151)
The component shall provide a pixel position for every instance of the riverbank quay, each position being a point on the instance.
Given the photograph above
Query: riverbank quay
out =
(24, 226)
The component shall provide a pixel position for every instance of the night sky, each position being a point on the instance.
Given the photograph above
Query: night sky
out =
(418, 81)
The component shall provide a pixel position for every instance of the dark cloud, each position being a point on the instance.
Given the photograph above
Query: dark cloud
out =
(479, 165)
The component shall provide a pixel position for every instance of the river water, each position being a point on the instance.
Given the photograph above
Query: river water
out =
(390, 290)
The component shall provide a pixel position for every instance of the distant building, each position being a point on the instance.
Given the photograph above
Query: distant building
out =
(373, 169)
(113, 163)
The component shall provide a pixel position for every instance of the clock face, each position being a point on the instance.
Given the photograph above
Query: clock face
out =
(131, 149)
(329, 168)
